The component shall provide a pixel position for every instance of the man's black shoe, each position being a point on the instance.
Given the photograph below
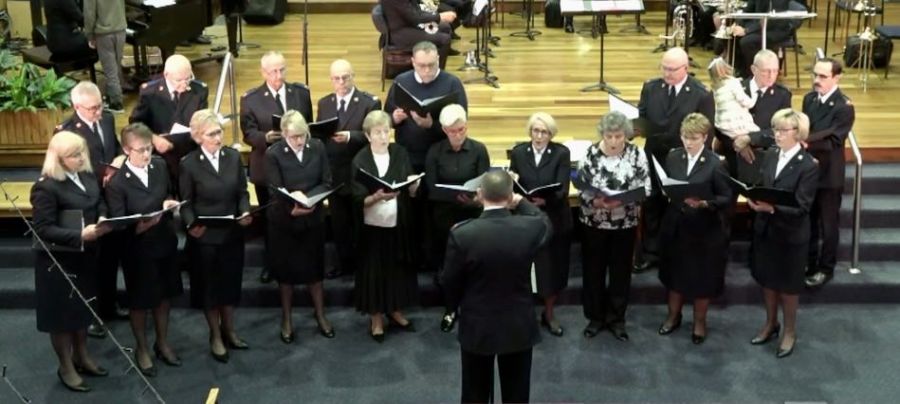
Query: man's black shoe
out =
(818, 279)
(643, 266)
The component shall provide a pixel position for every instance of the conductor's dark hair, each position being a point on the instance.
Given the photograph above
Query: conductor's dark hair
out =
(836, 66)
(496, 186)
(424, 46)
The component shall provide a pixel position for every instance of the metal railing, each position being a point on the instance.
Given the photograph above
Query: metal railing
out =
(857, 204)
(228, 73)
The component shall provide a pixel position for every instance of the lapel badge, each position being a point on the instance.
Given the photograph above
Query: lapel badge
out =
(771, 91)
(266, 93)
(686, 88)
(221, 153)
(355, 99)
(702, 159)
(151, 166)
(830, 103)
(800, 157)
(127, 175)
(549, 151)
(201, 157)
(78, 125)
(286, 149)
(161, 88)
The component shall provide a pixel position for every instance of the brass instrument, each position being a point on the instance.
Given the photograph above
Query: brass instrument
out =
(866, 41)
(725, 7)
(682, 24)
(429, 6)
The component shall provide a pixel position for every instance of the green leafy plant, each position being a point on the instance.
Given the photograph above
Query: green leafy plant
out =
(26, 87)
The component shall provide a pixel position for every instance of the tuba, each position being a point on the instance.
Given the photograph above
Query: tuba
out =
(429, 6)
(682, 24)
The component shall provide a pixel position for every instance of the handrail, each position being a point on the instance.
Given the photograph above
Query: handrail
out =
(228, 69)
(857, 203)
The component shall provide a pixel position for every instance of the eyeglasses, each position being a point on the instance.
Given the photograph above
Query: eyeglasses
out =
(92, 108)
(784, 130)
(668, 69)
(281, 70)
(214, 133)
(380, 132)
(142, 150)
(344, 78)
(759, 70)
(540, 132)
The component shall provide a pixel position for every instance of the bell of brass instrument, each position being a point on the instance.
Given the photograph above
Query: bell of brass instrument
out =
(429, 6)
(682, 24)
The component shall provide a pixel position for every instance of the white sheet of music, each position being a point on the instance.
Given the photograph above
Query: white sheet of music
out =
(617, 104)
(533, 279)
(159, 3)
(575, 6)
(478, 7)
(179, 128)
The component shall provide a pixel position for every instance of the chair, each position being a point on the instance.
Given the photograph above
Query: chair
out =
(394, 59)
(41, 56)
(850, 7)
(790, 44)
(891, 32)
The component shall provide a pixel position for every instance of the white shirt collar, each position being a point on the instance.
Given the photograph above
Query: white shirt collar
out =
(210, 155)
(419, 78)
(85, 120)
(680, 85)
(346, 98)
(135, 168)
(487, 208)
(789, 153)
(823, 98)
(754, 86)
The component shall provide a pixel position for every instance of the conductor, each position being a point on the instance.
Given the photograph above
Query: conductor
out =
(487, 276)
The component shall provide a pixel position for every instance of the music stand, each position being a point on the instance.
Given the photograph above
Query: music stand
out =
(598, 9)
(765, 17)
(482, 41)
(528, 14)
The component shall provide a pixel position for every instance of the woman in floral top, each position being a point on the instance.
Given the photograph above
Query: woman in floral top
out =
(609, 225)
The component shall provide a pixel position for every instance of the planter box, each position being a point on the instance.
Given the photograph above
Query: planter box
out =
(28, 130)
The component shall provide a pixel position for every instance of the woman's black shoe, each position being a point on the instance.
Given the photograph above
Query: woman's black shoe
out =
(238, 344)
(98, 372)
(148, 371)
(174, 362)
(553, 327)
(408, 327)
(379, 338)
(770, 336)
(448, 321)
(666, 330)
(329, 333)
(593, 328)
(783, 353)
(618, 331)
(219, 358)
(697, 339)
(452, 52)
(287, 338)
(81, 388)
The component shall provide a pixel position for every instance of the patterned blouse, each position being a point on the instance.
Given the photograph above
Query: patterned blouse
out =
(619, 173)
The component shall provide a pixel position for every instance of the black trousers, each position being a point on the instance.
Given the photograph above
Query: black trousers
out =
(111, 247)
(606, 253)
(341, 209)
(652, 211)
(478, 377)
(262, 197)
(824, 217)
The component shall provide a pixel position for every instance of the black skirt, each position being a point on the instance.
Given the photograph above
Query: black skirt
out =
(296, 257)
(150, 280)
(216, 271)
(778, 265)
(386, 281)
(693, 262)
(551, 266)
(58, 309)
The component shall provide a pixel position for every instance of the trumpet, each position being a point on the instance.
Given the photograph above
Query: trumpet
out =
(429, 6)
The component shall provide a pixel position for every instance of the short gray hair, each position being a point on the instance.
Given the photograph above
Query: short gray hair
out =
(544, 118)
(452, 115)
(615, 121)
(375, 119)
(203, 119)
(82, 90)
(293, 121)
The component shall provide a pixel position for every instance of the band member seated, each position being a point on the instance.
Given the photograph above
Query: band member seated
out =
(351, 106)
(409, 24)
(65, 38)
(67, 187)
(750, 32)
(212, 178)
(152, 278)
(487, 275)
(273, 97)
(167, 101)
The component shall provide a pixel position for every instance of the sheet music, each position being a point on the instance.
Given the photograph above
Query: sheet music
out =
(179, 128)
(617, 104)
(159, 3)
(580, 6)
(478, 7)
(577, 149)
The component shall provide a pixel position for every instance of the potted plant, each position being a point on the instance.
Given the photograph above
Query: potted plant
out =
(32, 102)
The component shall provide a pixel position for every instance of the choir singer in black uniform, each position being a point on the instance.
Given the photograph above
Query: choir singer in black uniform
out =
(664, 103)
(831, 115)
(487, 276)
(351, 106)
(273, 97)
(386, 281)
(66, 185)
(538, 163)
(173, 99)
(150, 246)
(212, 178)
(692, 222)
(299, 164)
(781, 233)
(453, 160)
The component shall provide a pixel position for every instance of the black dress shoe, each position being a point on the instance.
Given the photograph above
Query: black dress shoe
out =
(643, 266)
(202, 40)
(96, 331)
(121, 313)
(408, 327)
(148, 371)
(570, 28)
(379, 338)
(223, 358)
(553, 327)
(329, 333)
(783, 353)
(287, 338)
(618, 331)
(454, 36)
(238, 344)
(818, 279)
(264, 276)
(768, 337)
(448, 321)
(99, 371)
(697, 339)
(334, 274)
(80, 388)
(666, 330)
(174, 362)
(452, 52)
(593, 328)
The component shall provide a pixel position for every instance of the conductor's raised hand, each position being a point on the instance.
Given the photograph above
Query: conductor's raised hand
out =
(399, 115)
(422, 121)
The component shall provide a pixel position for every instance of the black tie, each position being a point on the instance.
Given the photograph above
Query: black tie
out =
(278, 104)
(96, 129)
(671, 95)
(176, 97)
(342, 107)
(759, 94)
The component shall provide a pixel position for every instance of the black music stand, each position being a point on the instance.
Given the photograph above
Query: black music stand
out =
(664, 45)
(304, 58)
(482, 43)
(601, 85)
(528, 14)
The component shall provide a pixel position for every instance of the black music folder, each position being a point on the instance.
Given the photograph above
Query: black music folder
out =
(226, 220)
(433, 106)
(678, 190)
(308, 201)
(324, 129)
(633, 195)
(770, 195)
(131, 219)
(373, 183)
(276, 122)
(543, 191)
(68, 219)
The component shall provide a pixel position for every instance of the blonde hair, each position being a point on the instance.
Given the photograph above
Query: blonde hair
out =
(794, 118)
(293, 121)
(719, 70)
(544, 118)
(695, 123)
(65, 144)
(203, 119)
(376, 119)
(452, 114)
